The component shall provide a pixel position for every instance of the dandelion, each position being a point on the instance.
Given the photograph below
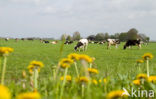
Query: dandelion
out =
(86, 58)
(68, 78)
(93, 71)
(142, 76)
(34, 67)
(65, 62)
(29, 95)
(73, 56)
(139, 61)
(152, 79)
(105, 80)
(147, 56)
(5, 50)
(37, 64)
(116, 94)
(65, 65)
(82, 79)
(137, 82)
(95, 82)
(4, 92)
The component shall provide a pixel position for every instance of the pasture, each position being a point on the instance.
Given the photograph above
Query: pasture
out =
(116, 64)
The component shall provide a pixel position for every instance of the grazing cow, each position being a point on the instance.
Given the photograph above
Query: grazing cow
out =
(114, 42)
(30, 39)
(68, 42)
(82, 44)
(22, 39)
(101, 42)
(53, 42)
(44, 41)
(130, 43)
(6, 39)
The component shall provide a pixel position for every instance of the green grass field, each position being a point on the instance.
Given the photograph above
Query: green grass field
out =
(117, 64)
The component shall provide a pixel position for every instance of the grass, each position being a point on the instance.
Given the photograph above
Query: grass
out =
(114, 63)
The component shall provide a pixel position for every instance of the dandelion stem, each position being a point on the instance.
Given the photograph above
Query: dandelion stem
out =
(147, 64)
(4, 69)
(82, 90)
(35, 78)
(76, 69)
(64, 82)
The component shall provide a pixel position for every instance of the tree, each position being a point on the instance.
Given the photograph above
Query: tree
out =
(76, 36)
(123, 36)
(106, 36)
(68, 38)
(63, 37)
(100, 36)
(91, 37)
(132, 34)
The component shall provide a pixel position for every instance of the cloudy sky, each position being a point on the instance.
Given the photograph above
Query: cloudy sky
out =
(51, 18)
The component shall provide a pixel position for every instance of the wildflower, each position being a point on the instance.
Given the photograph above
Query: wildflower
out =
(136, 82)
(94, 82)
(5, 50)
(105, 80)
(4, 92)
(29, 95)
(152, 79)
(100, 81)
(147, 56)
(93, 70)
(142, 76)
(66, 61)
(73, 56)
(86, 58)
(65, 65)
(36, 63)
(31, 67)
(82, 79)
(140, 61)
(116, 94)
(68, 78)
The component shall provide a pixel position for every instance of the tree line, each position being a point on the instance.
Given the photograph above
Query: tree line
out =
(132, 34)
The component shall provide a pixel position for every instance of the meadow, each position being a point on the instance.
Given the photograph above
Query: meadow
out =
(117, 65)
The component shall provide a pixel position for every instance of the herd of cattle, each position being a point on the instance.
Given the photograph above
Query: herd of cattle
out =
(82, 44)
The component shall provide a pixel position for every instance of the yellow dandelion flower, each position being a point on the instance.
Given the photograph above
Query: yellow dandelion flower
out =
(31, 68)
(105, 80)
(66, 61)
(36, 63)
(93, 70)
(116, 94)
(136, 82)
(142, 76)
(140, 61)
(100, 81)
(4, 92)
(86, 58)
(147, 56)
(24, 74)
(94, 82)
(5, 50)
(152, 79)
(64, 65)
(29, 95)
(82, 79)
(68, 78)
(73, 56)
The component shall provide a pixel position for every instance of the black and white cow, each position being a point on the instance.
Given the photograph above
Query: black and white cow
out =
(130, 43)
(114, 42)
(68, 42)
(82, 44)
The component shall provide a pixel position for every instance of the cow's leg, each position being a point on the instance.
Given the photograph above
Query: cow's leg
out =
(139, 46)
(116, 45)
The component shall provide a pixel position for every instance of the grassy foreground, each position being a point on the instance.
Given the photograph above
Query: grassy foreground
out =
(117, 65)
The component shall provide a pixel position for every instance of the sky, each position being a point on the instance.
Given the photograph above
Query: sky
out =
(52, 18)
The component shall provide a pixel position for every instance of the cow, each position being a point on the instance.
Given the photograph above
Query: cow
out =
(114, 42)
(130, 43)
(82, 44)
(44, 41)
(6, 39)
(68, 42)
(53, 42)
